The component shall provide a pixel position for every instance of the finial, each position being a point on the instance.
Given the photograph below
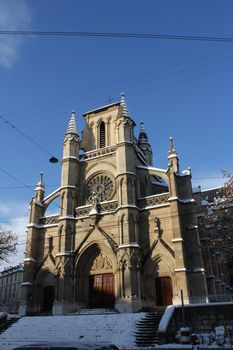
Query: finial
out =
(142, 126)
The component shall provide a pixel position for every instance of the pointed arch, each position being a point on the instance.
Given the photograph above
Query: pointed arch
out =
(96, 259)
(102, 135)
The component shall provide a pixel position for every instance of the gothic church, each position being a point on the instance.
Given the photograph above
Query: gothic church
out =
(125, 236)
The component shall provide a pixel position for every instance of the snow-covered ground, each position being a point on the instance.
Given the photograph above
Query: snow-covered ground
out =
(117, 329)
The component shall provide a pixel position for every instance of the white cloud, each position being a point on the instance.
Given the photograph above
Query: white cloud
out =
(15, 208)
(14, 217)
(14, 15)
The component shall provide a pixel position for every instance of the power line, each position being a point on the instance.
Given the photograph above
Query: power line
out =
(57, 185)
(121, 81)
(117, 35)
(24, 186)
(114, 224)
(131, 85)
(28, 138)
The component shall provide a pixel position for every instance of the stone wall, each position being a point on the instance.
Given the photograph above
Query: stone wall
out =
(200, 318)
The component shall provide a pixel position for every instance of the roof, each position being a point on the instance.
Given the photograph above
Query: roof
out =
(102, 108)
(210, 194)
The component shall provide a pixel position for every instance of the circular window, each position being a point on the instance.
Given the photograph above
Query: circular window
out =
(101, 187)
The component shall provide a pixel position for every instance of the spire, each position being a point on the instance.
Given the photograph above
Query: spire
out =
(123, 107)
(72, 127)
(142, 134)
(172, 150)
(40, 183)
(144, 145)
(40, 188)
(172, 156)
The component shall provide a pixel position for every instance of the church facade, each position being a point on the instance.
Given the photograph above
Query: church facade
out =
(125, 236)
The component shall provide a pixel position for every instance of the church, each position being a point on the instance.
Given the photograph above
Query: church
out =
(125, 234)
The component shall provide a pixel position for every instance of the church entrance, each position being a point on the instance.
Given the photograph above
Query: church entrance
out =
(48, 299)
(163, 286)
(101, 291)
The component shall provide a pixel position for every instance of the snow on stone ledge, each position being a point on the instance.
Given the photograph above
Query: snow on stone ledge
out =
(166, 318)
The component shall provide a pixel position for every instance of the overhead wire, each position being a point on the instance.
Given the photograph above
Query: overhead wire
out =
(26, 136)
(118, 35)
(117, 82)
(114, 223)
(144, 82)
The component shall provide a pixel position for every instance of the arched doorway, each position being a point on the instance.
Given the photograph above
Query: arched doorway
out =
(46, 290)
(163, 288)
(95, 279)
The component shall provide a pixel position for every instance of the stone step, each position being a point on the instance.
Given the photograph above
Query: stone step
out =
(99, 311)
(6, 324)
(148, 338)
(146, 329)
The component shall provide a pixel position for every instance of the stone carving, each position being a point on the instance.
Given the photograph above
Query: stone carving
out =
(98, 153)
(109, 206)
(99, 187)
(84, 211)
(49, 220)
(153, 200)
(102, 208)
(102, 262)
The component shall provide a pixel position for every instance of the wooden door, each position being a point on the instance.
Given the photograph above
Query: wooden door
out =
(48, 299)
(163, 286)
(101, 291)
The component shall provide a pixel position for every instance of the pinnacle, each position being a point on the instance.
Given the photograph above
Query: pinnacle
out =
(172, 149)
(123, 106)
(72, 127)
(40, 183)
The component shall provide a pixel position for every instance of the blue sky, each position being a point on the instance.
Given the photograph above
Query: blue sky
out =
(178, 88)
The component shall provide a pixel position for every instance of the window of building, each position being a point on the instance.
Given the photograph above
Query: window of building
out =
(102, 135)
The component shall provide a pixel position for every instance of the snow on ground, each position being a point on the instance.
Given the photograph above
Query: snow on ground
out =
(117, 329)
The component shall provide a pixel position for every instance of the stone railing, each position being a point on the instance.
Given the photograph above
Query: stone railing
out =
(83, 211)
(102, 208)
(152, 201)
(98, 152)
(49, 220)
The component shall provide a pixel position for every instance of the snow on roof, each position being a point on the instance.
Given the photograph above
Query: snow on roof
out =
(211, 189)
(151, 168)
(101, 108)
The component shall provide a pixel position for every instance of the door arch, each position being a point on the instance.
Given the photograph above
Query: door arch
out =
(95, 278)
(45, 290)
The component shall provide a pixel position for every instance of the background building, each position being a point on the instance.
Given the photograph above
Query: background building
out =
(125, 233)
(10, 288)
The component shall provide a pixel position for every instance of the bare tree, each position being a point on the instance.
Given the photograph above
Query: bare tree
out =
(217, 223)
(8, 241)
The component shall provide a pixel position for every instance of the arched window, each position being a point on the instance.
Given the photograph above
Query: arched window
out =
(102, 135)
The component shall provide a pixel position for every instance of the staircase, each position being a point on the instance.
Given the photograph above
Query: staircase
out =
(4, 324)
(146, 329)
